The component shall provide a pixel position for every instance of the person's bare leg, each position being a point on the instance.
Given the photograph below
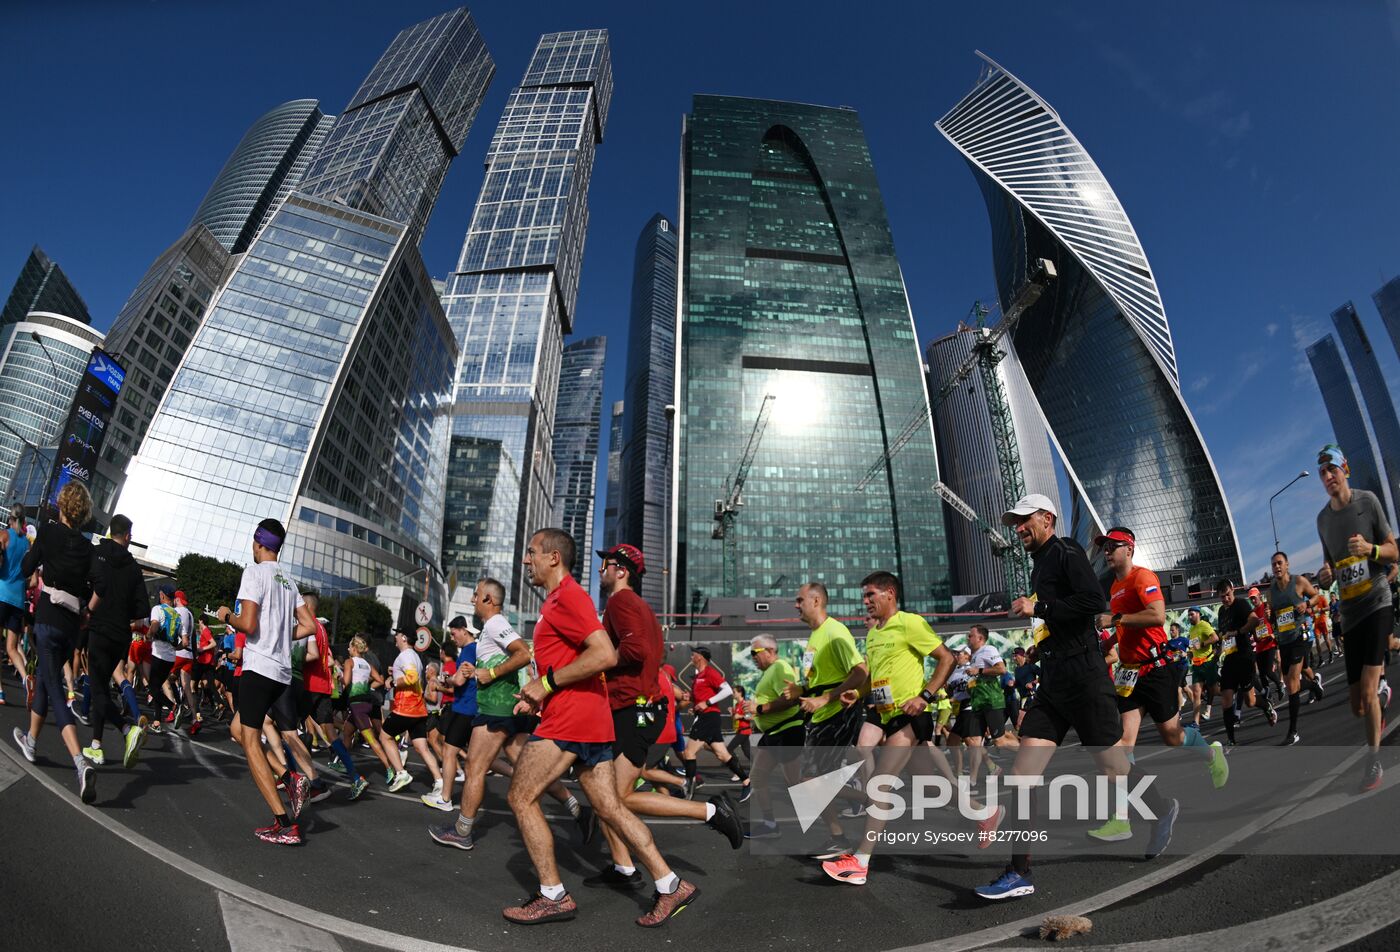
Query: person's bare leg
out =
(540, 764)
(263, 778)
(600, 783)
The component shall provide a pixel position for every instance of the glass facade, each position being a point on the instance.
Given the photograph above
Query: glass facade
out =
(1132, 450)
(511, 302)
(42, 286)
(613, 503)
(38, 382)
(645, 509)
(577, 418)
(790, 286)
(1387, 300)
(388, 152)
(1380, 409)
(263, 169)
(1348, 421)
(967, 457)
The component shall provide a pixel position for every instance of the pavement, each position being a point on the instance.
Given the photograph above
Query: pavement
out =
(165, 859)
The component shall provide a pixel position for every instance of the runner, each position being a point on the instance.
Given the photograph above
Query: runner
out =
(1075, 690)
(1357, 548)
(779, 714)
(119, 603)
(1238, 675)
(960, 691)
(1289, 596)
(1202, 644)
(1027, 675)
(638, 714)
(741, 719)
(316, 705)
(1322, 628)
(66, 558)
(984, 715)
(164, 630)
(457, 718)
(358, 675)
(408, 713)
(1146, 681)
(708, 688)
(271, 613)
(184, 664)
(576, 729)
(14, 543)
(1265, 645)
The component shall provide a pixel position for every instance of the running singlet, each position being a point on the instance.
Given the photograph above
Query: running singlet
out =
(1287, 607)
(463, 701)
(985, 689)
(408, 699)
(769, 689)
(1233, 618)
(1137, 644)
(896, 651)
(359, 682)
(1360, 581)
(830, 656)
(316, 677)
(706, 684)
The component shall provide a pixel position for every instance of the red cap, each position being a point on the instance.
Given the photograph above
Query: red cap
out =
(1254, 593)
(1124, 536)
(630, 555)
(180, 597)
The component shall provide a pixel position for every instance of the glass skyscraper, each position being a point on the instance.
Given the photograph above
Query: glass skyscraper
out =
(967, 456)
(1349, 425)
(577, 418)
(317, 388)
(40, 380)
(790, 286)
(1096, 348)
(1387, 300)
(613, 502)
(511, 302)
(265, 166)
(645, 508)
(1380, 409)
(42, 286)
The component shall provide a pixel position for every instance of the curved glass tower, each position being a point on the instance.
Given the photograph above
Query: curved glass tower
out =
(790, 286)
(264, 167)
(1096, 348)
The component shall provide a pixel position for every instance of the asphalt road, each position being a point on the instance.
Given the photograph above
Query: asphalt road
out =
(166, 859)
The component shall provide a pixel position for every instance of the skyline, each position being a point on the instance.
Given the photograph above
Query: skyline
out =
(1256, 223)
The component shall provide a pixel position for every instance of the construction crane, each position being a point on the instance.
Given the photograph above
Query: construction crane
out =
(985, 356)
(1001, 545)
(727, 509)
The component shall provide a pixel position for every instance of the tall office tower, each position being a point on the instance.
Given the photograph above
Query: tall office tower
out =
(612, 505)
(1129, 443)
(1348, 421)
(40, 380)
(316, 389)
(1380, 409)
(42, 286)
(651, 387)
(1387, 300)
(511, 302)
(577, 419)
(151, 333)
(790, 287)
(967, 457)
(265, 166)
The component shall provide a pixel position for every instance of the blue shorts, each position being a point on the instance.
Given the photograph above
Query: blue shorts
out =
(588, 754)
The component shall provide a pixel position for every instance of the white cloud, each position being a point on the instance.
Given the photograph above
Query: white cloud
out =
(1271, 328)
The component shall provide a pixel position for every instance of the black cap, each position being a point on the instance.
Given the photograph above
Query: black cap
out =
(459, 622)
(702, 651)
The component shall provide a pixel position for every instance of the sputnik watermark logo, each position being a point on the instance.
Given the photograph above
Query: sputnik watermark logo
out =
(1068, 796)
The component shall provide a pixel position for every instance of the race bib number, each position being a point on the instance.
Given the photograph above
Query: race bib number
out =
(1287, 621)
(808, 659)
(1354, 577)
(1124, 680)
(882, 696)
(1230, 649)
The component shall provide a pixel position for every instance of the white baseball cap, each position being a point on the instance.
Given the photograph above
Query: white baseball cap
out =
(1027, 505)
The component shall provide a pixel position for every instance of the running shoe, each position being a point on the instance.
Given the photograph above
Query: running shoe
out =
(846, 869)
(853, 812)
(612, 879)
(1272, 715)
(986, 829)
(1371, 778)
(26, 746)
(1009, 885)
(280, 835)
(320, 790)
(461, 776)
(336, 765)
(178, 718)
(358, 787)
(587, 822)
(838, 847)
(78, 715)
(155, 727)
(1317, 683)
(1290, 740)
(1383, 692)
(436, 801)
(298, 787)
(448, 836)
(745, 792)
(135, 736)
(1114, 831)
(401, 779)
(87, 783)
(195, 727)
(690, 786)
(726, 821)
(763, 830)
(1162, 831)
(667, 905)
(94, 756)
(1205, 714)
(1219, 765)
(538, 910)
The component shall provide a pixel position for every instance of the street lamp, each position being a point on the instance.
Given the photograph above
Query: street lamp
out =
(1302, 475)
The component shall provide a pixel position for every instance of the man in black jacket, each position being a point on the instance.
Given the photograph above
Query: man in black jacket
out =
(119, 599)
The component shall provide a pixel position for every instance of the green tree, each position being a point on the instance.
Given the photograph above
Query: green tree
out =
(207, 582)
(357, 614)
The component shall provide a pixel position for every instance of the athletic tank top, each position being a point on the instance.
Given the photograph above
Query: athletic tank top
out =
(1285, 603)
(359, 681)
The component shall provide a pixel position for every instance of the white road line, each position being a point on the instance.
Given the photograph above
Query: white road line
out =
(1329, 924)
(9, 773)
(253, 929)
(255, 897)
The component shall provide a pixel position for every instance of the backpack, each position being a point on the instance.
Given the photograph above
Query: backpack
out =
(168, 628)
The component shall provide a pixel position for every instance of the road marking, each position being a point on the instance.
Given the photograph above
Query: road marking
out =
(253, 929)
(9, 773)
(1329, 924)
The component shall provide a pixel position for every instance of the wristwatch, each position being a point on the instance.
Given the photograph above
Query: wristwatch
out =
(928, 698)
(1117, 617)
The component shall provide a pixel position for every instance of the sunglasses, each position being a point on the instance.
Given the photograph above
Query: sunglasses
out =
(756, 652)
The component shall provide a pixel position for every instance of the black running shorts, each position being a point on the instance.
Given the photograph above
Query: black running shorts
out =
(631, 741)
(1155, 694)
(1075, 694)
(707, 728)
(256, 696)
(415, 727)
(1365, 642)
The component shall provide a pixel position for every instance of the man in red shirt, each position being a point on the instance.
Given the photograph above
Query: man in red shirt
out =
(639, 713)
(1266, 645)
(576, 729)
(708, 688)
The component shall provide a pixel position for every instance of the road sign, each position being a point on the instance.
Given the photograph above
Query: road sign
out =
(424, 639)
(423, 614)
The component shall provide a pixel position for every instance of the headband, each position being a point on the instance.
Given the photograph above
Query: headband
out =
(267, 539)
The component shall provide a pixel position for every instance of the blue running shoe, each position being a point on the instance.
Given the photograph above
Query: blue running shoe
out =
(1009, 885)
(1162, 831)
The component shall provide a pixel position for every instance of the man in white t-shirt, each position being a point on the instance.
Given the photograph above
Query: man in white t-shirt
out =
(165, 635)
(270, 613)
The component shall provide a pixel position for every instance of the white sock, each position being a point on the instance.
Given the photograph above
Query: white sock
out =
(572, 806)
(552, 892)
(668, 884)
(625, 870)
(78, 762)
(709, 811)
(863, 858)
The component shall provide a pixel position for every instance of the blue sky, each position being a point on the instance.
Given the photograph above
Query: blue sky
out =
(1253, 146)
